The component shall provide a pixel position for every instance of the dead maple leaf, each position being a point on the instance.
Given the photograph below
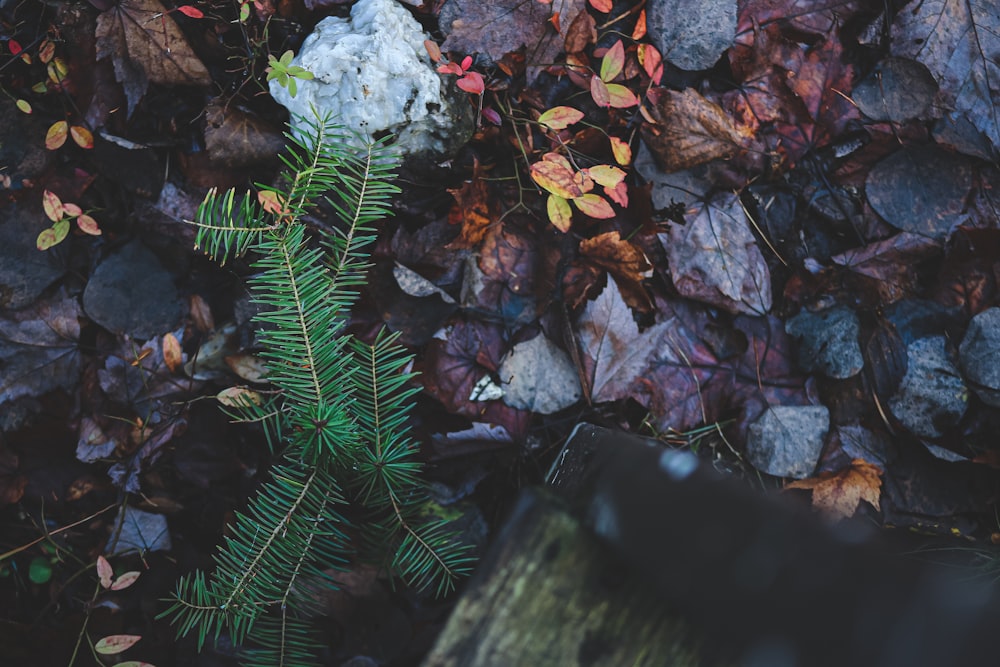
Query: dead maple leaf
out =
(690, 130)
(838, 494)
(145, 45)
(237, 138)
(472, 211)
(627, 263)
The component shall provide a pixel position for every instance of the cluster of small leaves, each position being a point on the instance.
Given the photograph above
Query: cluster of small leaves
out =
(337, 416)
(285, 73)
(62, 214)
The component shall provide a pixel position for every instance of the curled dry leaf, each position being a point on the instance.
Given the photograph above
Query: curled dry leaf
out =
(689, 130)
(472, 211)
(839, 494)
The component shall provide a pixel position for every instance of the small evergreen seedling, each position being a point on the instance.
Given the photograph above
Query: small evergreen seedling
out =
(338, 420)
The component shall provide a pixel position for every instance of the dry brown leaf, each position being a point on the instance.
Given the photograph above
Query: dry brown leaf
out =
(839, 494)
(623, 260)
(236, 138)
(145, 45)
(201, 313)
(471, 211)
(689, 130)
(582, 32)
(172, 355)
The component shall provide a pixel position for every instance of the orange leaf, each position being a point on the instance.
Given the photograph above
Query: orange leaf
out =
(595, 206)
(82, 136)
(559, 118)
(472, 211)
(613, 62)
(624, 260)
(560, 213)
(606, 175)
(88, 225)
(622, 151)
(126, 580)
(52, 205)
(56, 136)
(114, 644)
(104, 571)
(839, 494)
(651, 61)
(433, 50)
(581, 32)
(640, 26)
(172, 355)
(621, 97)
(554, 20)
(603, 6)
(556, 178)
(191, 12)
(599, 91)
(583, 181)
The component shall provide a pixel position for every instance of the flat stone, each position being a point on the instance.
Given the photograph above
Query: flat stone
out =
(979, 356)
(131, 293)
(828, 341)
(691, 35)
(932, 396)
(787, 440)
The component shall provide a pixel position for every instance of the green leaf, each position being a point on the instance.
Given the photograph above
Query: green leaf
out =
(115, 644)
(40, 570)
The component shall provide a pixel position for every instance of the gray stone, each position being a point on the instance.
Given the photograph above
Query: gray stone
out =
(932, 396)
(979, 355)
(25, 271)
(373, 75)
(131, 293)
(691, 35)
(828, 341)
(787, 440)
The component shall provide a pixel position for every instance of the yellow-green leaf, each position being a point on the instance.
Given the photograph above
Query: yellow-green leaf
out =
(595, 206)
(620, 97)
(82, 136)
(559, 118)
(622, 151)
(555, 178)
(606, 175)
(23, 106)
(114, 644)
(88, 225)
(613, 62)
(56, 136)
(560, 213)
(52, 206)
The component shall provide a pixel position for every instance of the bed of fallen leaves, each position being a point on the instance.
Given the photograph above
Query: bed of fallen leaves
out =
(829, 159)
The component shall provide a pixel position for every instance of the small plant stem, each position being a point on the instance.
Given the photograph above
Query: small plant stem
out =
(48, 534)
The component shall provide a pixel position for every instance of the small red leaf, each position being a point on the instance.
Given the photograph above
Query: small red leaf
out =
(56, 136)
(473, 83)
(450, 68)
(603, 6)
(14, 46)
(192, 12)
(466, 63)
(651, 61)
(114, 644)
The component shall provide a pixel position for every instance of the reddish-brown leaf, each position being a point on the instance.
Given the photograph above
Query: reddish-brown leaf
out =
(623, 260)
(473, 211)
(839, 494)
(191, 12)
(124, 581)
(651, 61)
(582, 32)
(472, 83)
(603, 6)
(172, 355)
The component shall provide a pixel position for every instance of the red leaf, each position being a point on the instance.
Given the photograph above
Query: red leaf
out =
(473, 83)
(191, 12)
(14, 46)
(651, 61)
(603, 6)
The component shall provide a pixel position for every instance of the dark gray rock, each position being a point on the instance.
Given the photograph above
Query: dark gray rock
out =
(828, 341)
(979, 355)
(131, 293)
(691, 35)
(932, 396)
(786, 441)
(25, 271)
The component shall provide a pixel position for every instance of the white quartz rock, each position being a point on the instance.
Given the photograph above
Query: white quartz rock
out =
(373, 75)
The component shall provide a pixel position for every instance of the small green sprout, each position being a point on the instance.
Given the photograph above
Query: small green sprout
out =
(284, 72)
